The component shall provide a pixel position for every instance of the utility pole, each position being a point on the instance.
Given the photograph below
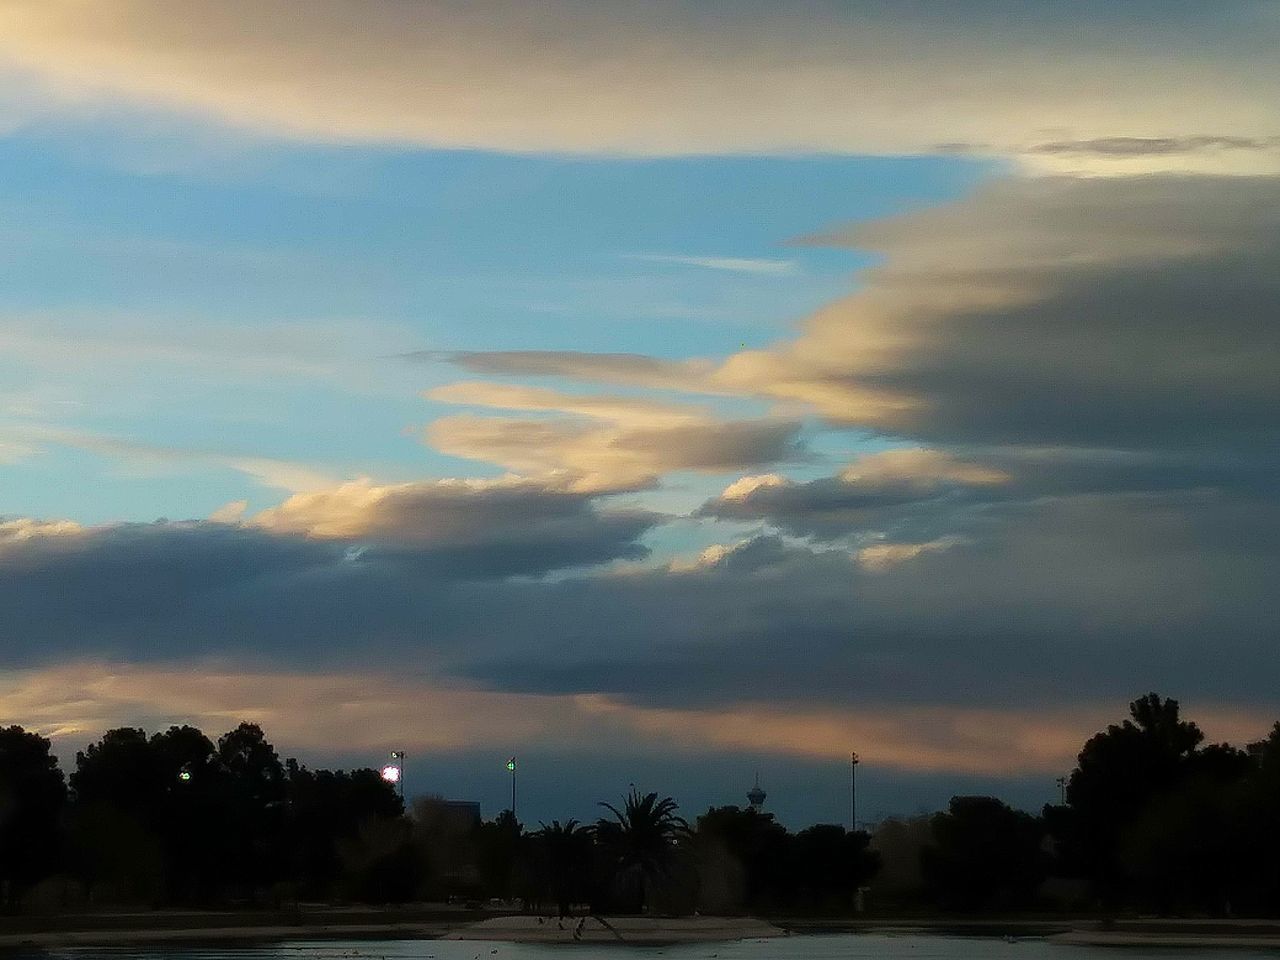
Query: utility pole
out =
(853, 791)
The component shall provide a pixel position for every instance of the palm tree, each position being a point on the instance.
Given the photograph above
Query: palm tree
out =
(563, 860)
(645, 835)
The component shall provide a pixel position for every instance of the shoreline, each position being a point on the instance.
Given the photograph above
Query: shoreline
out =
(194, 928)
(240, 934)
(648, 931)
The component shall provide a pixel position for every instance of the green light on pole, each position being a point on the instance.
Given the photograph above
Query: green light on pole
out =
(511, 767)
(184, 775)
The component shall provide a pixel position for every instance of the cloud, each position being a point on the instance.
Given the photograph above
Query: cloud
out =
(1018, 613)
(621, 410)
(15, 451)
(1021, 612)
(1124, 314)
(355, 565)
(231, 512)
(607, 442)
(746, 265)
(896, 492)
(351, 712)
(1084, 370)
(1143, 146)
(1114, 156)
(920, 469)
(1127, 315)
(954, 740)
(669, 78)
(85, 345)
(503, 526)
(354, 713)
(628, 369)
(881, 556)
(144, 457)
(23, 529)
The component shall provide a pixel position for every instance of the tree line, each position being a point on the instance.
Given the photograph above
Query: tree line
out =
(176, 819)
(1153, 819)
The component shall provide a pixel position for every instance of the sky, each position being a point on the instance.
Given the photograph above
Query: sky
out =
(665, 394)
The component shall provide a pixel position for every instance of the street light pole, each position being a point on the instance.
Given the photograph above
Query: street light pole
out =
(511, 765)
(393, 773)
(398, 757)
(853, 792)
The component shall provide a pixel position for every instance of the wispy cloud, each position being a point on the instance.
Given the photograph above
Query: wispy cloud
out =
(27, 439)
(747, 265)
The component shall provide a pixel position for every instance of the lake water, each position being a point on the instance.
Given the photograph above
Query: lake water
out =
(834, 947)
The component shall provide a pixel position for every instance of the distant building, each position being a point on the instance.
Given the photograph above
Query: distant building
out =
(756, 796)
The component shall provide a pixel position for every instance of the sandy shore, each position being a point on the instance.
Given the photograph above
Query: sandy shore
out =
(617, 930)
(244, 934)
(1111, 938)
(359, 924)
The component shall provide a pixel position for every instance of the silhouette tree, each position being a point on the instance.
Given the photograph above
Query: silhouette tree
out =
(1261, 859)
(327, 808)
(983, 854)
(742, 858)
(644, 843)
(119, 770)
(563, 860)
(499, 849)
(252, 764)
(188, 819)
(1119, 772)
(118, 794)
(830, 864)
(897, 843)
(255, 804)
(1184, 850)
(380, 864)
(32, 793)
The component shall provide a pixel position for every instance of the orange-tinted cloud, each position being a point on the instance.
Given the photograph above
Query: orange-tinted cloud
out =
(604, 443)
(1108, 90)
(357, 713)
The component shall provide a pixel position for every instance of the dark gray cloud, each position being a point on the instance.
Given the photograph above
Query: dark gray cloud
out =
(496, 527)
(327, 575)
(1171, 591)
(1102, 313)
(903, 509)
(1100, 595)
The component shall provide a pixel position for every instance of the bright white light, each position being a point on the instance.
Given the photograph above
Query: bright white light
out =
(391, 773)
